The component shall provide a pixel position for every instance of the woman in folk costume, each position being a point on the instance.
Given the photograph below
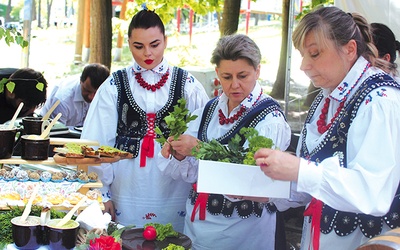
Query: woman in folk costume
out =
(349, 159)
(215, 221)
(125, 111)
(388, 47)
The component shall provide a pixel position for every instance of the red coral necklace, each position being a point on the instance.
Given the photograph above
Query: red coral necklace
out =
(321, 123)
(152, 87)
(223, 120)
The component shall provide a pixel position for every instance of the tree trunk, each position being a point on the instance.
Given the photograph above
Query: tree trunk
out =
(101, 32)
(49, 3)
(66, 9)
(8, 11)
(120, 39)
(230, 17)
(278, 90)
(39, 22)
(79, 32)
(86, 32)
(219, 21)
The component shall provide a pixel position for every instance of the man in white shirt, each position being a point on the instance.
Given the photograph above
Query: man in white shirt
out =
(75, 94)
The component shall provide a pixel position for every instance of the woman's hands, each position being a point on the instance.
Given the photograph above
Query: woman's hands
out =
(278, 165)
(109, 208)
(179, 148)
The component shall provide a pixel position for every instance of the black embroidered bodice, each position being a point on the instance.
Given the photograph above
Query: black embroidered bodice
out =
(217, 203)
(335, 143)
(132, 123)
(250, 118)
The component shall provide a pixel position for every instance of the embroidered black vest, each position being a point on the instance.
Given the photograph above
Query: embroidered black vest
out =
(217, 203)
(132, 123)
(335, 143)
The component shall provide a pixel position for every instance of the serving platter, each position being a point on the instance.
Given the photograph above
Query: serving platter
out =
(60, 159)
(132, 239)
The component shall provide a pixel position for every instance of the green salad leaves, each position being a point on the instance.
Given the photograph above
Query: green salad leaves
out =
(233, 152)
(163, 231)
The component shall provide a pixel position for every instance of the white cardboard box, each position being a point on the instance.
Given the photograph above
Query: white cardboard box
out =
(238, 179)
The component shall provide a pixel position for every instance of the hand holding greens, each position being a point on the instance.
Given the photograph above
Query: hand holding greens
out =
(177, 121)
(233, 152)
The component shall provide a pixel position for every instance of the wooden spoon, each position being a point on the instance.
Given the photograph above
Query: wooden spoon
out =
(28, 207)
(68, 216)
(47, 115)
(11, 125)
(45, 132)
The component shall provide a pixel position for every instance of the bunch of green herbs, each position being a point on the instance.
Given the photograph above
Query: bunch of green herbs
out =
(233, 152)
(177, 121)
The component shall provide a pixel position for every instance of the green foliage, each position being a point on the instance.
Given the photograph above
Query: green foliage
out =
(112, 230)
(183, 53)
(12, 36)
(255, 143)
(116, 233)
(215, 151)
(313, 5)
(166, 8)
(172, 246)
(86, 245)
(233, 152)
(177, 121)
(112, 227)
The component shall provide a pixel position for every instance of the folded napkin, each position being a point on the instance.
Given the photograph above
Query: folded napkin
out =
(93, 217)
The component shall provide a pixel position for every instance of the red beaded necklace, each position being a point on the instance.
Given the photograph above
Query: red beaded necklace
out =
(321, 123)
(223, 120)
(152, 87)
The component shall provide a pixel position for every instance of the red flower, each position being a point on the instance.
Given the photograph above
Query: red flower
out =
(104, 243)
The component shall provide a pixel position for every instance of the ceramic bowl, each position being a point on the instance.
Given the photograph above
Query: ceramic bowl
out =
(62, 238)
(27, 235)
(34, 125)
(34, 149)
(7, 141)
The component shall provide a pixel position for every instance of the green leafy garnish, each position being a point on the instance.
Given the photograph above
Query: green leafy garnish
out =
(163, 231)
(172, 246)
(233, 152)
(117, 233)
(255, 143)
(177, 121)
(215, 151)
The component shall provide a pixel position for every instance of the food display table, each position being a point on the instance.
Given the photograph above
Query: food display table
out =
(63, 187)
(54, 163)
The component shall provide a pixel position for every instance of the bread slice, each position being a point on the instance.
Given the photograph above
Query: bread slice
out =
(109, 151)
(89, 151)
(70, 150)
